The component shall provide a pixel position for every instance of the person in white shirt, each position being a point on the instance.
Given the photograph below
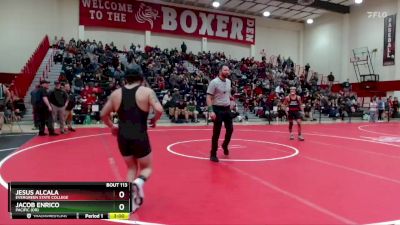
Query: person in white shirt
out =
(166, 98)
(279, 90)
(373, 109)
(169, 104)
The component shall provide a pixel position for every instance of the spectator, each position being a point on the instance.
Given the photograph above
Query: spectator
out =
(78, 84)
(132, 47)
(307, 70)
(34, 101)
(281, 111)
(331, 79)
(181, 109)
(70, 106)
(381, 108)
(62, 78)
(54, 44)
(167, 97)
(161, 82)
(346, 86)
(58, 57)
(192, 111)
(183, 47)
(344, 106)
(17, 104)
(279, 90)
(258, 106)
(373, 108)
(4, 99)
(390, 106)
(61, 44)
(395, 106)
(308, 106)
(58, 99)
(43, 110)
(176, 96)
(169, 104)
(314, 81)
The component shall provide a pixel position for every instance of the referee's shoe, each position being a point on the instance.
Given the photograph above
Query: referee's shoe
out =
(214, 158)
(226, 150)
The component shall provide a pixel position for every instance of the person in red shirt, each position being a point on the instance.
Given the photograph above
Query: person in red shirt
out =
(390, 105)
(62, 78)
(161, 82)
(272, 96)
(247, 90)
(294, 108)
(244, 68)
(395, 106)
(96, 89)
(91, 99)
(86, 91)
(258, 91)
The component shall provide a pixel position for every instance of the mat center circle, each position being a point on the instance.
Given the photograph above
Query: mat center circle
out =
(241, 150)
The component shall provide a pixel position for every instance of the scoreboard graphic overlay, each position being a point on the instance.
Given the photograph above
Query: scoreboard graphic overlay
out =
(69, 200)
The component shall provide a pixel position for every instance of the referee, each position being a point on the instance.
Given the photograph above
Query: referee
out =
(218, 101)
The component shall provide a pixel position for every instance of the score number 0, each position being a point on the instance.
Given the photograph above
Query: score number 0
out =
(121, 195)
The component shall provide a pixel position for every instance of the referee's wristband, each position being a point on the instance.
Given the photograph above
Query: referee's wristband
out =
(210, 109)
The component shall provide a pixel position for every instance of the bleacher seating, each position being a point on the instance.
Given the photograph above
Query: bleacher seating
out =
(101, 67)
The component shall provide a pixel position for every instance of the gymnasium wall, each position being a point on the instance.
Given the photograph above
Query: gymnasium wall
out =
(328, 43)
(368, 32)
(322, 44)
(279, 37)
(24, 24)
(121, 38)
(170, 41)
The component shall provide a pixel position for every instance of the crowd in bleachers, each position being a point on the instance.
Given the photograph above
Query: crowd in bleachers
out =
(180, 79)
(14, 109)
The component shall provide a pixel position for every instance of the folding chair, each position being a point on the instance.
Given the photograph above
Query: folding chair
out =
(11, 121)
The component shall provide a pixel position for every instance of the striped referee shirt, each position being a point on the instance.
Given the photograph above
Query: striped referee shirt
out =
(221, 91)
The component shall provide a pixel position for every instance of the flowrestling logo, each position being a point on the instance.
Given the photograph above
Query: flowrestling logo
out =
(377, 14)
(146, 14)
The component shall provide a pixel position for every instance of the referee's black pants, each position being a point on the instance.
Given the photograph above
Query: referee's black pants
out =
(223, 114)
(44, 119)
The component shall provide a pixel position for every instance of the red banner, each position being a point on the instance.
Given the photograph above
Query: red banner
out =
(136, 15)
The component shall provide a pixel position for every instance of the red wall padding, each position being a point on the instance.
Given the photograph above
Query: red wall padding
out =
(370, 89)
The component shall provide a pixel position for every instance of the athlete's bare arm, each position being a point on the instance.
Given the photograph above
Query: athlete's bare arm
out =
(209, 100)
(108, 108)
(157, 107)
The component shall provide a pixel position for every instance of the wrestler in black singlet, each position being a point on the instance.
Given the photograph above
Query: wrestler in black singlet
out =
(132, 133)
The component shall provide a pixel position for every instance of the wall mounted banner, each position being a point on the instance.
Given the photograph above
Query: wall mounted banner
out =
(389, 41)
(136, 15)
